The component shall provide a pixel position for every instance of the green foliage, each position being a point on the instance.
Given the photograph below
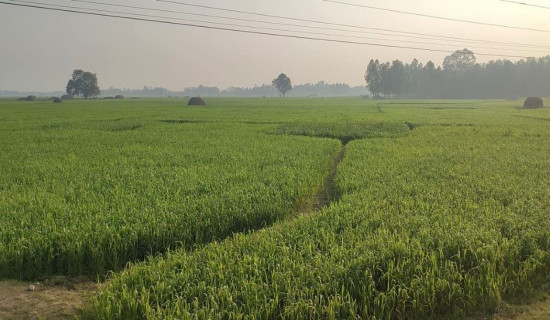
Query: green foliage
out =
(344, 131)
(282, 83)
(86, 197)
(442, 221)
(442, 207)
(83, 83)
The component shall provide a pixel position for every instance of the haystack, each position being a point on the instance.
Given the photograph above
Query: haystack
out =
(196, 101)
(533, 103)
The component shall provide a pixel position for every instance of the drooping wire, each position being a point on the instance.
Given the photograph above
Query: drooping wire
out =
(436, 17)
(123, 17)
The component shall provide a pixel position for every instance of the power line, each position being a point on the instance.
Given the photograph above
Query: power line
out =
(344, 25)
(436, 17)
(247, 26)
(526, 4)
(432, 38)
(242, 31)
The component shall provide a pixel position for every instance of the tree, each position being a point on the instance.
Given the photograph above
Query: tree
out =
(396, 74)
(460, 60)
(283, 84)
(83, 83)
(373, 78)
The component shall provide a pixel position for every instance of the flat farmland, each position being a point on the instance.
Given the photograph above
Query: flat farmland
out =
(429, 209)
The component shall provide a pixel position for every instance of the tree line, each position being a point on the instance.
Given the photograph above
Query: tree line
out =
(459, 77)
(319, 89)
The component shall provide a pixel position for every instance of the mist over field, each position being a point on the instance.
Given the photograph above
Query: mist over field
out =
(254, 159)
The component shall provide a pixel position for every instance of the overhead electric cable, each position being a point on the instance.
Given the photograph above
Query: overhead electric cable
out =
(241, 31)
(526, 4)
(253, 27)
(339, 24)
(431, 38)
(435, 17)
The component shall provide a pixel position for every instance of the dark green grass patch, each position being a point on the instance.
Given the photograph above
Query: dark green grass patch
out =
(344, 131)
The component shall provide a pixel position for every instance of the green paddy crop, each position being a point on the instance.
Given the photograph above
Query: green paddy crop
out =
(83, 197)
(436, 223)
(439, 208)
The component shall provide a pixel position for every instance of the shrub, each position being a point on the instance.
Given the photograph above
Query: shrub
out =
(119, 96)
(57, 100)
(196, 101)
(30, 98)
(533, 103)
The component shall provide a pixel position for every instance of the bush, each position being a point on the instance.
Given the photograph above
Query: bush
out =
(30, 98)
(533, 103)
(67, 97)
(196, 101)
(119, 96)
(57, 100)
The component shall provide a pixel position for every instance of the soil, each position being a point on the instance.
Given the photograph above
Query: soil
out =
(55, 298)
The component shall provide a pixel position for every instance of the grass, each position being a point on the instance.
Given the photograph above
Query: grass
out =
(441, 207)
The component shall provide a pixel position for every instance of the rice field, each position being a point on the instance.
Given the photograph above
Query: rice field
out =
(438, 208)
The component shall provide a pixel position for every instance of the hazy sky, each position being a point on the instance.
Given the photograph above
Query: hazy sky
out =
(40, 49)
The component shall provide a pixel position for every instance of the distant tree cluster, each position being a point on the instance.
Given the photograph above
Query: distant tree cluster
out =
(460, 76)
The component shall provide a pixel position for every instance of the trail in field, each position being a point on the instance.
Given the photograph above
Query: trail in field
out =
(327, 194)
(58, 298)
(533, 311)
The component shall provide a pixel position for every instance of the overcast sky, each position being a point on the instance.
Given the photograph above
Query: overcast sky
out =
(40, 49)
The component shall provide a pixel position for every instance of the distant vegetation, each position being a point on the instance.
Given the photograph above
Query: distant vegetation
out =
(460, 77)
(319, 89)
(84, 84)
(282, 83)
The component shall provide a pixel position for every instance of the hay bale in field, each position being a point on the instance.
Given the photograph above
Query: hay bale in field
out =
(533, 103)
(196, 101)
(57, 100)
(30, 98)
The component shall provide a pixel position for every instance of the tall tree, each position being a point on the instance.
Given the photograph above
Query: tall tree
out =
(374, 78)
(83, 83)
(460, 60)
(283, 84)
(396, 74)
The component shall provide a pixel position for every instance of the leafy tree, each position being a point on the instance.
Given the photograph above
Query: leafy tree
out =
(83, 83)
(396, 74)
(460, 60)
(283, 84)
(374, 78)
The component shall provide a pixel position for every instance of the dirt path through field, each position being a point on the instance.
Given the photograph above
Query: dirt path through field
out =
(58, 298)
(325, 196)
(538, 311)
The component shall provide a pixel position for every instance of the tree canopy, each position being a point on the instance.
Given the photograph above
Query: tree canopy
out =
(460, 77)
(283, 84)
(83, 83)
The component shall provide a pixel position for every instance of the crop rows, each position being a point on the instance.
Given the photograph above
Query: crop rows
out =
(86, 197)
(440, 222)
